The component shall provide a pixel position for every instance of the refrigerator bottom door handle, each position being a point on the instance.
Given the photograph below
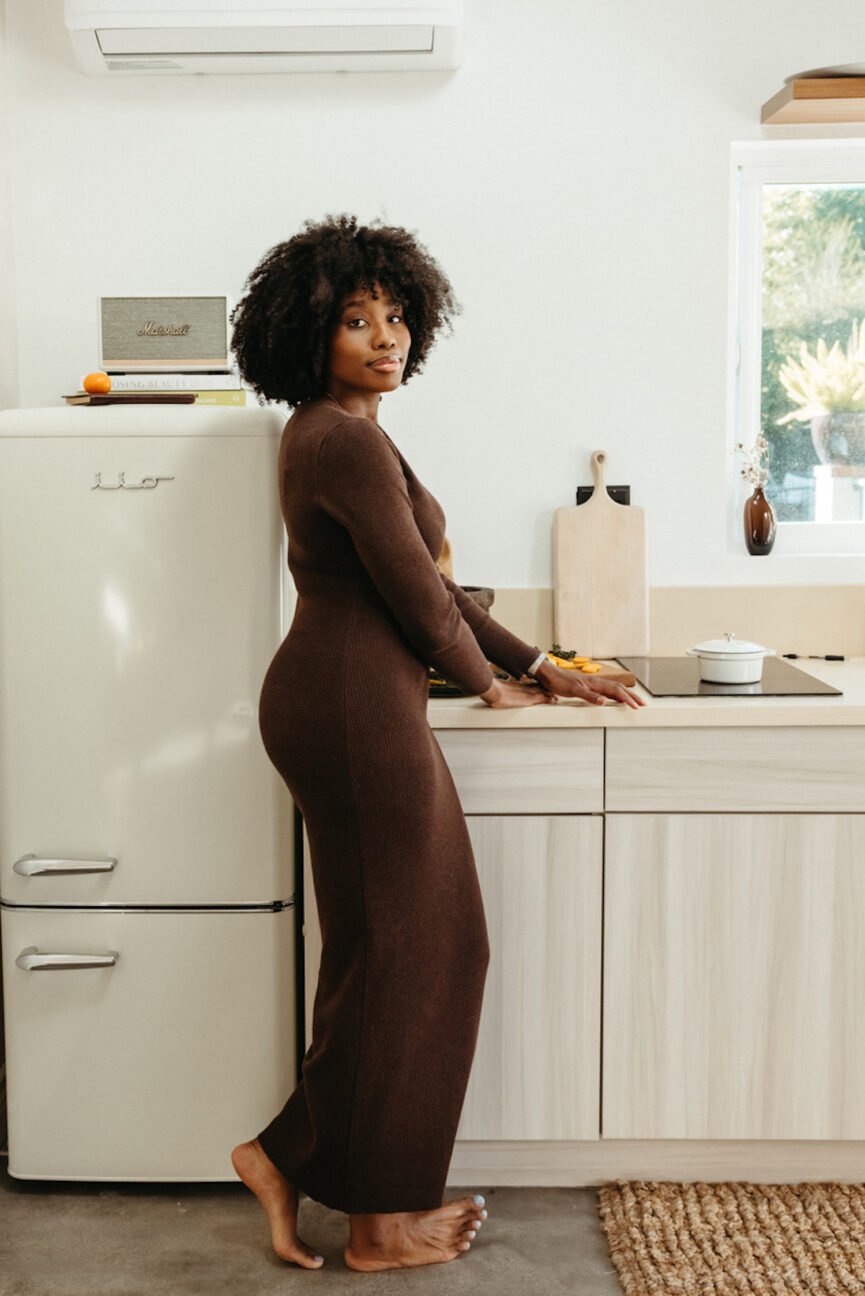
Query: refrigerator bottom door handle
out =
(31, 865)
(34, 960)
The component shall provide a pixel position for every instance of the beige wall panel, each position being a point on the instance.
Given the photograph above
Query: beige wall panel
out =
(761, 768)
(821, 618)
(734, 960)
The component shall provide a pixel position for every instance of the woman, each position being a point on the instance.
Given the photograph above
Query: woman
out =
(332, 319)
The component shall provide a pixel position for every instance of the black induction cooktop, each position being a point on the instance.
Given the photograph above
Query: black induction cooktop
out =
(680, 677)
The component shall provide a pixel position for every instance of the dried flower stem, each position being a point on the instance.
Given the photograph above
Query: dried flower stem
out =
(754, 470)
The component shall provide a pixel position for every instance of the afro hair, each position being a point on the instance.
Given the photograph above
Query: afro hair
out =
(283, 325)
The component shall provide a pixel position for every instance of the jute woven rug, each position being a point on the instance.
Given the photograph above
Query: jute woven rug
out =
(707, 1238)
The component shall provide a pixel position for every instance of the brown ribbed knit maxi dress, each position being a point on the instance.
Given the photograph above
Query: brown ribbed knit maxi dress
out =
(343, 715)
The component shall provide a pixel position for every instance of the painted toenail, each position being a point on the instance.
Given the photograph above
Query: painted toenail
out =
(484, 1214)
(479, 1201)
(318, 1257)
(471, 1234)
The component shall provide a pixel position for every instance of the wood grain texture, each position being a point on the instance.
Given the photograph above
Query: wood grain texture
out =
(600, 575)
(768, 769)
(817, 99)
(311, 942)
(734, 963)
(535, 1073)
(574, 1164)
(616, 673)
(525, 771)
(536, 1069)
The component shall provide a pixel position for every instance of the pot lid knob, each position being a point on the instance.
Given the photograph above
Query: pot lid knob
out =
(729, 647)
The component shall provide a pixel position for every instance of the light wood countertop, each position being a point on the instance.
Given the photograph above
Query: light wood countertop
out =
(674, 712)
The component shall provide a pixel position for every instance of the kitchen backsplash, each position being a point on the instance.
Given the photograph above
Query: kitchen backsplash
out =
(794, 618)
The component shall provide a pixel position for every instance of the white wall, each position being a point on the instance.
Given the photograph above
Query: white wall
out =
(572, 178)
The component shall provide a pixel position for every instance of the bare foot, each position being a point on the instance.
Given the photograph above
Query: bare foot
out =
(405, 1238)
(279, 1199)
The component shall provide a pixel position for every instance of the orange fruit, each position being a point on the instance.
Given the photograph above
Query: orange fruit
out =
(97, 384)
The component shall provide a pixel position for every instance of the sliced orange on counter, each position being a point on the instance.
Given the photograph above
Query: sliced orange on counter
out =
(584, 664)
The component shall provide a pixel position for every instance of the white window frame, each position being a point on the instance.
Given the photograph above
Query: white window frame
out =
(753, 164)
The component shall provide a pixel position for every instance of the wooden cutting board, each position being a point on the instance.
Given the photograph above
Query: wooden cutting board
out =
(617, 673)
(600, 575)
(443, 688)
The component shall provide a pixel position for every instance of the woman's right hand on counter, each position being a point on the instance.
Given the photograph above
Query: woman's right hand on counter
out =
(509, 693)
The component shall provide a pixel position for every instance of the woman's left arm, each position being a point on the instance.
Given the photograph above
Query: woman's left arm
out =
(499, 645)
(506, 649)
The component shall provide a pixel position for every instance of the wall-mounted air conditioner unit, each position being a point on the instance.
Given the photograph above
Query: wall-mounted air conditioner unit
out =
(219, 36)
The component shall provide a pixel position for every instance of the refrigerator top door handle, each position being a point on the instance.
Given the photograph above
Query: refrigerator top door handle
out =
(31, 864)
(31, 960)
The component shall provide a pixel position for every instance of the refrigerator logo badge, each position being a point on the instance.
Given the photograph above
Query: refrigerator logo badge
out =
(146, 483)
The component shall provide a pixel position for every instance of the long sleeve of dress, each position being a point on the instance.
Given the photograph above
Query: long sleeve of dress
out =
(361, 485)
(498, 643)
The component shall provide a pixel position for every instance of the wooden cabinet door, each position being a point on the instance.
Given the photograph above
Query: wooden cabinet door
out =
(536, 1072)
(734, 972)
(536, 1068)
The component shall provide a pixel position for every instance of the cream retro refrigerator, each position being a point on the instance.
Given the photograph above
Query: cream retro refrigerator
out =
(146, 843)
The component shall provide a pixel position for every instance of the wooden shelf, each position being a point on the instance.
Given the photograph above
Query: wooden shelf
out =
(817, 99)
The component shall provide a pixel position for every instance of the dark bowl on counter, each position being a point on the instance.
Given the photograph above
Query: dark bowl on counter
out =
(482, 595)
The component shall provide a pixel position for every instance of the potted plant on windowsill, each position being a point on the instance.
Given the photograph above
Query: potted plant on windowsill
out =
(829, 388)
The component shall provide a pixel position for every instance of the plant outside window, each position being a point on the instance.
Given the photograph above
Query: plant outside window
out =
(812, 403)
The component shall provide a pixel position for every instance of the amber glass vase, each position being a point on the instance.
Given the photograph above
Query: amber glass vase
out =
(760, 523)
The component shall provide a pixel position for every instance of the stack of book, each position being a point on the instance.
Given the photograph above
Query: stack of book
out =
(207, 388)
(223, 388)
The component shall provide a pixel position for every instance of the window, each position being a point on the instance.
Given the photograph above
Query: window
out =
(800, 333)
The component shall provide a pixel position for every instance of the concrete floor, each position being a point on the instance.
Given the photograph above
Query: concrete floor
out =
(66, 1239)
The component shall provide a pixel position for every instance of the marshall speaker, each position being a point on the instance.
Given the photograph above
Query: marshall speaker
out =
(163, 333)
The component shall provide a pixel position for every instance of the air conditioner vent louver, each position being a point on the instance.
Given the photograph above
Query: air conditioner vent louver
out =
(264, 40)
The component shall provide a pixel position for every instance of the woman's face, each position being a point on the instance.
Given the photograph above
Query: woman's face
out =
(370, 344)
